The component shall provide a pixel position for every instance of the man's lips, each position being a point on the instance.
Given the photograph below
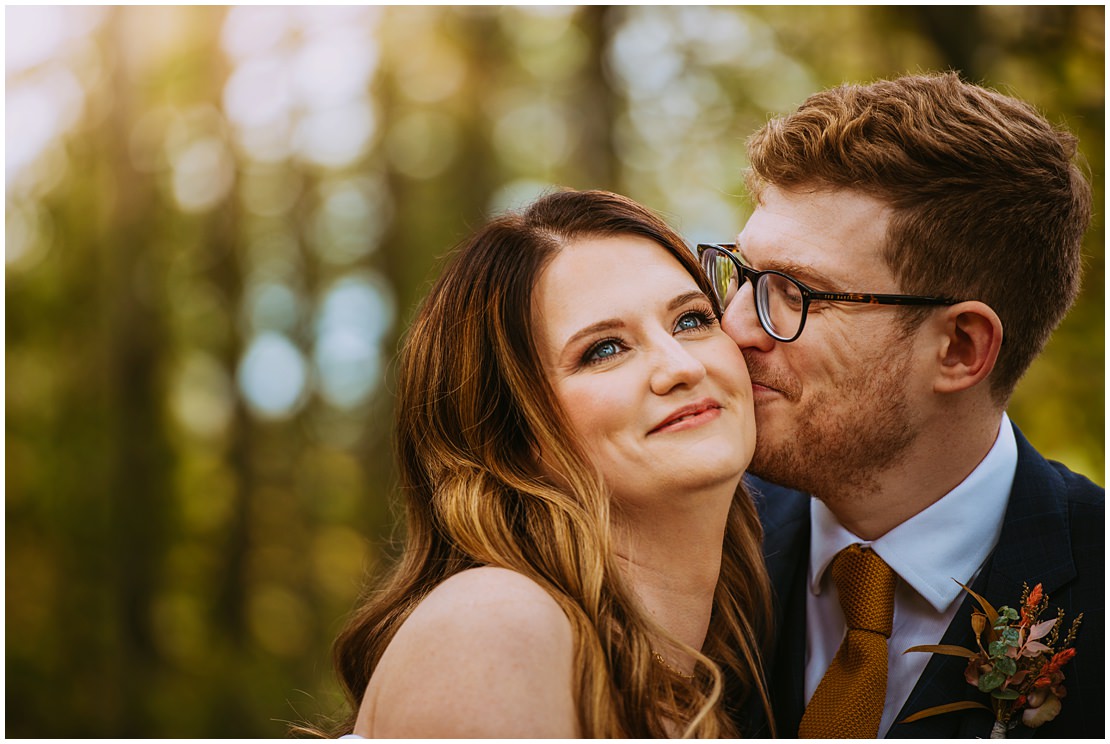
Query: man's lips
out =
(769, 382)
(689, 416)
(763, 394)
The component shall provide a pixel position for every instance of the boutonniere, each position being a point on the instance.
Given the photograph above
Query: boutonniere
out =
(1017, 661)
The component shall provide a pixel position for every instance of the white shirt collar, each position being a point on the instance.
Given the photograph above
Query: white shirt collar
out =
(949, 540)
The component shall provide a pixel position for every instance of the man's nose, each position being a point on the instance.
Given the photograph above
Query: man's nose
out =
(741, 322)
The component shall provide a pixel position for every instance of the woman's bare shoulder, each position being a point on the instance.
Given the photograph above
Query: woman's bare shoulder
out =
(488, 653)
(490, 589)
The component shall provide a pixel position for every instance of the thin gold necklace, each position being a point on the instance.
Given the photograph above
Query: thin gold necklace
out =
(659, 658)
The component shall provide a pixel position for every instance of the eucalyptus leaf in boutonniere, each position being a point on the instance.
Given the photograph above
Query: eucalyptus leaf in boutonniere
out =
(1017, 662)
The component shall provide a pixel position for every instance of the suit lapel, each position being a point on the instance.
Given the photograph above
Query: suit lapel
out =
(788, 682)
(1034, 547)
(785, 518)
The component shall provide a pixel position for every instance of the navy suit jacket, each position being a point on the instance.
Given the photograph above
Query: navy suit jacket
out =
(1053, 534)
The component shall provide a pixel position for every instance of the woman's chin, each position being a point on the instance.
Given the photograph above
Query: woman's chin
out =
(712, 481)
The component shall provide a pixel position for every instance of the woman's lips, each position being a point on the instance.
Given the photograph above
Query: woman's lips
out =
(689, 417)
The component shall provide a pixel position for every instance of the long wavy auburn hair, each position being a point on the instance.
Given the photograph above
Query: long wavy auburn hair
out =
(473, 408)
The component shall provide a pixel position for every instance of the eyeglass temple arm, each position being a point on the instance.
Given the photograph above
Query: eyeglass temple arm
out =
(880, 299)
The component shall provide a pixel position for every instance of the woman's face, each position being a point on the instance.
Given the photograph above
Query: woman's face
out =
(652, 386)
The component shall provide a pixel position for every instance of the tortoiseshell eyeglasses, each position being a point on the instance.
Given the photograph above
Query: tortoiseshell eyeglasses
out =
(781, 301)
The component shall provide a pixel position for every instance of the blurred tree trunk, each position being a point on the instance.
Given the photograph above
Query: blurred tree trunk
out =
(598, 104)
(957, 33)
(230, 583)
(138, 488)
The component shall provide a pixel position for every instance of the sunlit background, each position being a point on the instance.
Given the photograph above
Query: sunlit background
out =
(218, 222)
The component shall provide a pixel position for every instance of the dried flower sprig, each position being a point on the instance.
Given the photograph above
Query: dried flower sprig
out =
(1020, 665)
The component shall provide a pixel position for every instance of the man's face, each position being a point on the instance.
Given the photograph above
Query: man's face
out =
(836, 406)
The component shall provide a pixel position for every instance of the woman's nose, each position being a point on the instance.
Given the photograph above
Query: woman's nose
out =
(674, 367)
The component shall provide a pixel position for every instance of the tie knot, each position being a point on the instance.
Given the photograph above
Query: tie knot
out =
(866, 588)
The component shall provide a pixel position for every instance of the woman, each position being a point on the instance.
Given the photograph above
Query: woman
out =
(581, 559)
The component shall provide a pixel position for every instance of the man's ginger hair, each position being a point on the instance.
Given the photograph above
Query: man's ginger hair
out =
(988, 201)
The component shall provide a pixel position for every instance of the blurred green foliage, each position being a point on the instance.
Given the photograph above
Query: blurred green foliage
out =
(218, 222)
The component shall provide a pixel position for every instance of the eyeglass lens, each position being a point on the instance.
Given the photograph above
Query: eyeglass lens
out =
(723, 275)
(778, 300)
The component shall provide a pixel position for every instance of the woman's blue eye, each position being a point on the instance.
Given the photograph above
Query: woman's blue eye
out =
(693, 320)
(689, 321)
(602, 351)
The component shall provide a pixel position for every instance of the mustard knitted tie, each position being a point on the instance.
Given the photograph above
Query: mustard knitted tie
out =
(848, 703)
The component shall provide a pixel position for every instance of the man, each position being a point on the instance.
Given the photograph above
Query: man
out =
(960, 213)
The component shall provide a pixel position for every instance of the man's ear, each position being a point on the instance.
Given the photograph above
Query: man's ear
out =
(971, 338)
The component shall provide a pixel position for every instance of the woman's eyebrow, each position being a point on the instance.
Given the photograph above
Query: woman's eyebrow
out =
(614, 323)
(601, 325)
(684, 298)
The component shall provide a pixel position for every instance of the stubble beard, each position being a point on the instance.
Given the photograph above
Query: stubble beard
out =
(842, 437)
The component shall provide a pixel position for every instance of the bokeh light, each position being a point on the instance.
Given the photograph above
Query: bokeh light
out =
(354, 318)
(202, 175)
(353, 216)
(203, 398)
(273, 376)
